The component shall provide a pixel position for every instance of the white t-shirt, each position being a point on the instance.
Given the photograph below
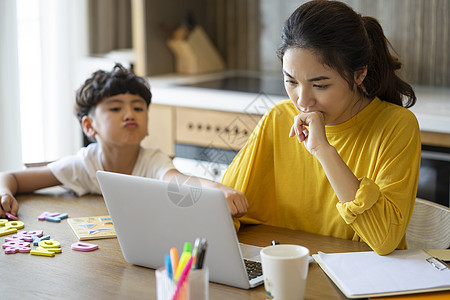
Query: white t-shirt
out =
(78, 172)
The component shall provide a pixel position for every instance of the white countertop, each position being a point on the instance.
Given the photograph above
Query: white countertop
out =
(432, 108)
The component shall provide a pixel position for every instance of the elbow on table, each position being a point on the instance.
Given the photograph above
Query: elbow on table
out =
(388, 245)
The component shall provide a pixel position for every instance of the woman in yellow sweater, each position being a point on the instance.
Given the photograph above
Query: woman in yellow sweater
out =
(342, 157)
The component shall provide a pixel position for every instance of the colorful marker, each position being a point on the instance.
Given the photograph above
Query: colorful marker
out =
(168, 265)
(201, 254)
(183, 277)
(183, 259)
(195, 252)
(174, 259)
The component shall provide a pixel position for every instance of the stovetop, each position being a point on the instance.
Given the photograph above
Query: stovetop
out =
(266, 85)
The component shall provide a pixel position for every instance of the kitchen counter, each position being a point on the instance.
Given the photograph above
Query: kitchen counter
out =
(432, 108)
(169, 90)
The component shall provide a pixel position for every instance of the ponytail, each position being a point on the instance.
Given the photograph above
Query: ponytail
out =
(381, 79)
(348, 43)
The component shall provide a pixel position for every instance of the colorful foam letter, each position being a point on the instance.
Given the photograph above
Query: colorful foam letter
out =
(51, 245)
(42, 251)
(11, 227)
(84, 247)
(16, 246)
(57, 218)
(47, 214)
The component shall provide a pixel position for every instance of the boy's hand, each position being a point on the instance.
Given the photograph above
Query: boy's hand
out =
(8, 204)
(237, 202)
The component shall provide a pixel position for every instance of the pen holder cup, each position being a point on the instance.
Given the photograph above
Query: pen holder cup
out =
(196, 286)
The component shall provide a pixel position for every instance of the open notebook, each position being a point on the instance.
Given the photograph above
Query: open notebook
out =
(367, 274)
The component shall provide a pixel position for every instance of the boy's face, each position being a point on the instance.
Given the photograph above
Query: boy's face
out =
(120, 120)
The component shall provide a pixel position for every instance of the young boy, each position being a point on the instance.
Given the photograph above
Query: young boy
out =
(112, 108)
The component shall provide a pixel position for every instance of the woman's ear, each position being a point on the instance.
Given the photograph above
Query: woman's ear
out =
(360, 75)
(88, 128)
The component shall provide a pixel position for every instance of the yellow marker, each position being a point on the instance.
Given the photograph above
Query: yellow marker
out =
(42, 252)
(183, 259)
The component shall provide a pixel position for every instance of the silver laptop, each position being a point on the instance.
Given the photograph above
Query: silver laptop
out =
(152, 216)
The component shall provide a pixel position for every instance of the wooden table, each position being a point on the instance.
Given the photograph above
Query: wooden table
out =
(104, 274)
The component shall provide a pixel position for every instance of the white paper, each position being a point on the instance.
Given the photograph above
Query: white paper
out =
(364, 273)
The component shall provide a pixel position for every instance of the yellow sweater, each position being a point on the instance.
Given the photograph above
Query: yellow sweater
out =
(287, 187)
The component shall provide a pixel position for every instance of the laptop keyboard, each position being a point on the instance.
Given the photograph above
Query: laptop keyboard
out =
(254, 268)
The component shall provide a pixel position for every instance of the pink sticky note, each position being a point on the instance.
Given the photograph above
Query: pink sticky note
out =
(80, 246)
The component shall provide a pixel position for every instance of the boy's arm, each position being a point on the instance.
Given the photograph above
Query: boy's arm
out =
(23, 181)
(237, 202)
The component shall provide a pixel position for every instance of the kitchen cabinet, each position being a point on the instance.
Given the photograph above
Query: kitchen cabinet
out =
(161, 128)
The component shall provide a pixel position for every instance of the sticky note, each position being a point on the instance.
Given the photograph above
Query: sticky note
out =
(80, 246)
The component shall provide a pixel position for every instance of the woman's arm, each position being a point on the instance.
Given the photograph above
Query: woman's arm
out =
(344, 182)
(379, 204)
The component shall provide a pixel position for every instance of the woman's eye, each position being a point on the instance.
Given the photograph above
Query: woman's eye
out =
(138, 109)
(291, 82)
(114, 109)
(321, 86)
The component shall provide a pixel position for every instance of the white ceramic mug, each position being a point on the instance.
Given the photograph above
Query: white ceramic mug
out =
(285, 268)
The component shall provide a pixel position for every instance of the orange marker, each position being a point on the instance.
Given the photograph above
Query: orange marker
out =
(174, 258)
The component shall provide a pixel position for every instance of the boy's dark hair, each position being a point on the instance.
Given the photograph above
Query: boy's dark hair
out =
(104, 84)
(347, 42)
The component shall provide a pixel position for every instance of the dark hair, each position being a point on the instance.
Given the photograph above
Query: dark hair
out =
(347, 42)
(104, 84)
